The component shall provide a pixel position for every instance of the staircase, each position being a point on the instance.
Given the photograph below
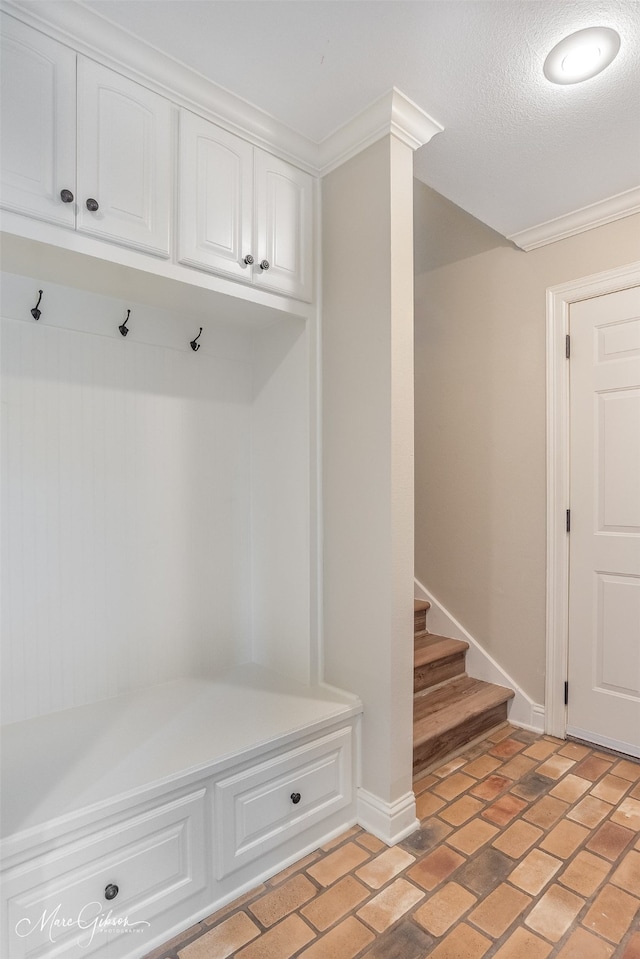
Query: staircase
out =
(450, 709)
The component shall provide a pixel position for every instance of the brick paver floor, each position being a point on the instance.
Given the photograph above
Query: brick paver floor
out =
(528, 848)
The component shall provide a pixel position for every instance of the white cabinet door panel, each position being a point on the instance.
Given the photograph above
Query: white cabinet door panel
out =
(56, 904)
(261, 807)
(216, 197)
(283, 227)
(38, 122)
(124, 159)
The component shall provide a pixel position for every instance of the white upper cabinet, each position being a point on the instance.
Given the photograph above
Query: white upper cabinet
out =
(38, 123)
(283, 227)
(93, 150)
(216, 197)
(124, 160)
(120, 185)
(243, 212)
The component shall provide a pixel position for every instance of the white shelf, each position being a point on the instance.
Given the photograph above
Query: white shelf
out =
(61, 764)
(58, 255)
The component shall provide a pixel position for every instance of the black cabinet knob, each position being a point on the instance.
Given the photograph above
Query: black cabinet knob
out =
(111, 891)
(92, 205)
(66, 196)
(295, 798)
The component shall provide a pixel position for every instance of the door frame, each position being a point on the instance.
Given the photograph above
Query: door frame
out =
(559, 300)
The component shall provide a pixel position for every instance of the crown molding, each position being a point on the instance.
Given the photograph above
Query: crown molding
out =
(579, 221)
(87, 32)
(75, 25)
(393, 113)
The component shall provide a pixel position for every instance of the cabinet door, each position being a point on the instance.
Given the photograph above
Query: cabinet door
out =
(283, 227)
(263, 806)
(124, 159)
(38, 96)
(215, 198)
(55, 904)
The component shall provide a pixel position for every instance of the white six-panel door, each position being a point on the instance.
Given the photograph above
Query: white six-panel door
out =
(604, 577)
(38, 124)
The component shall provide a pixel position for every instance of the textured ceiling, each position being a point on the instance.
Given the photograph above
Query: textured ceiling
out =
(516, 150)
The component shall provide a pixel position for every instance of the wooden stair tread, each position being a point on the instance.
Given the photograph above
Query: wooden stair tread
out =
(429, 648)
(454, 704)
(450, 709)
(454, 693)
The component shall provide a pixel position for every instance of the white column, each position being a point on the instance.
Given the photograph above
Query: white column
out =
(367, 349)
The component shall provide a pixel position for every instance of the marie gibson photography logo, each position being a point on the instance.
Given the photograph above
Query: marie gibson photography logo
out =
(90, 922)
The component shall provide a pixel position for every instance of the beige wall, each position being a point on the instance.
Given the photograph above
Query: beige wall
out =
(481, 419)
(367, 409)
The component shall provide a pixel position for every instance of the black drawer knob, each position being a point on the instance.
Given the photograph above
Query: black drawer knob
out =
(111, 891)
(92, 205)
(295, 798)
(66, 196)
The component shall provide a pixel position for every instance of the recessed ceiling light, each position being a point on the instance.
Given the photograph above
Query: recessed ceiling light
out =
(582, 55)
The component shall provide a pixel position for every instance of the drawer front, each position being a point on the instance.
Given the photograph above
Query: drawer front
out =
(57, 905)
(261, 807)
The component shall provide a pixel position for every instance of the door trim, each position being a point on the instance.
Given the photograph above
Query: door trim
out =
(559, 300)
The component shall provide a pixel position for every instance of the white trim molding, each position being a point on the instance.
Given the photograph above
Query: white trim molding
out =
(391, 113)
(92, 35)
(579, 221)
(523, 711)
(390, 822)
(559, 300)
(78, 27)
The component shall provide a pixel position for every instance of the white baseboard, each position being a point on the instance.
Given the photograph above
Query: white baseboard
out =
(390, 822)
(522, 709)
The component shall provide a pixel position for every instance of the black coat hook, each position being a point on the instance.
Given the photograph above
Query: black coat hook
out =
(195, 346)
(35, 312)
(123, 328)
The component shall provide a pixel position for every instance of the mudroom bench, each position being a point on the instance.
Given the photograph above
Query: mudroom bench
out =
(125, 821)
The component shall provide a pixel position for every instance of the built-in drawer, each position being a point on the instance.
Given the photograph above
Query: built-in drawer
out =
(106, 893)
(262, 806)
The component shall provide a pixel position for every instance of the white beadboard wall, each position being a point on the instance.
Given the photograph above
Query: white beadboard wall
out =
(126, 498)
(280, 497)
